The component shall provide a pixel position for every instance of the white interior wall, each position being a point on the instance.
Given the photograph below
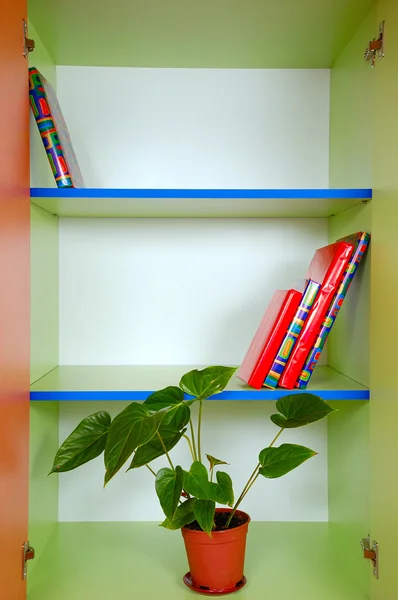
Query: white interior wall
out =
(198, 128)
(175, 291)
(233, 431)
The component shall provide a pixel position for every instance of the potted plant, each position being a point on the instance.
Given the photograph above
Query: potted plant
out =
(215, 538)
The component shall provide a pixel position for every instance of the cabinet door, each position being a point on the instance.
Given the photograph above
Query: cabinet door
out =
(384, 306)
(14, 299)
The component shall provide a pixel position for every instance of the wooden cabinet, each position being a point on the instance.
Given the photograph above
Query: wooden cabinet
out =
(218, 153)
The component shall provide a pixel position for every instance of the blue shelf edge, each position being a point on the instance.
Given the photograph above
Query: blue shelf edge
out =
(126, 395)
(259, 194)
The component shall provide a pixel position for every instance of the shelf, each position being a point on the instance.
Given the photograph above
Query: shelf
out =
(92, 202)
(99, 561)
(69, 383)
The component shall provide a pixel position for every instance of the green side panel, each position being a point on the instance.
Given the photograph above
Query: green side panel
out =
(41, 58)
(384, 315)
(351, 139)
(205, 34)
(351, 109)
(125, 561)
(349, 476)
(44, 244)
(44, 345)
(349, 491)
(43, 490)
(348, 343)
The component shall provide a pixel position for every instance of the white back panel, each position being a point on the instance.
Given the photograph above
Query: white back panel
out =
(299, 496)
(174, 291)
(198, 128)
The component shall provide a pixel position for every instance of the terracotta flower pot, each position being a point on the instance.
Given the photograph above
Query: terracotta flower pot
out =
(216, 563)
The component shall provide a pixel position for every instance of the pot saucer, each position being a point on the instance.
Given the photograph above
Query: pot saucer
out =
(187, 579)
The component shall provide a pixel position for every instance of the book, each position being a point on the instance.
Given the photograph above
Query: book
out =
(361, 241)
(269, 336)
(53, 131)
(307, 300)
(331, 262)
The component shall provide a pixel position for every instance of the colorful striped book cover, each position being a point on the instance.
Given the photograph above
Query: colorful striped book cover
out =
(53, 131)
(269, 336)
(336, 258)
(278, 365)
(361, 241)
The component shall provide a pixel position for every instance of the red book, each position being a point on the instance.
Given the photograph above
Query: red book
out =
(327, 267)
(269, 336)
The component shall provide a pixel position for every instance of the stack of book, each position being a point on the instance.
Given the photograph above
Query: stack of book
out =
(296, 324)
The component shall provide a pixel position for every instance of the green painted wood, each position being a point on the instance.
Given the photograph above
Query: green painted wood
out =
(349, 489)
(351, 124)
(99, 561)
(349, 477)
(43, 490)
(43, 244)
(44, 344)
(181, 33)
(197, 207)
(351, 111)
(384, 316)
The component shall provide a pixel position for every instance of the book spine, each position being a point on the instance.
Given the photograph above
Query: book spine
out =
(331, 315)
(292, 334)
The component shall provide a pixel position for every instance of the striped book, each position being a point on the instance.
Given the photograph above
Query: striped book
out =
(334, 260)
(278, 365)
(361, 241)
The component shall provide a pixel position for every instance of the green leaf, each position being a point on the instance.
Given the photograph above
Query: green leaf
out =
(206, 383)
(132, 428)
(153, 449)
(168, 487)
(225, 494)
(173, 421)
(196, 483)
(276, 462)
(86, 442)
(298, 410)
(183, 515)
(171, 398)
(204, 514)
(215, 461)
(177, 416)
(165, 398)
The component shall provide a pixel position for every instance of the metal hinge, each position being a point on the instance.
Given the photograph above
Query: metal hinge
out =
(28, 553)
(375, 48)
(28, 45)
(371, 553)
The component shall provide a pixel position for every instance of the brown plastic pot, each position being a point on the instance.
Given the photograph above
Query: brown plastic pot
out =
(216, 563)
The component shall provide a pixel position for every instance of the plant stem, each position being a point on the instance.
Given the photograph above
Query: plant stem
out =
(164, 448)
(151, 470)
(200, 430)
(276, 437)
(211, 474)
(250, 482)
(193, 439)
(190, 446)
(251, 479)
(246, 486)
